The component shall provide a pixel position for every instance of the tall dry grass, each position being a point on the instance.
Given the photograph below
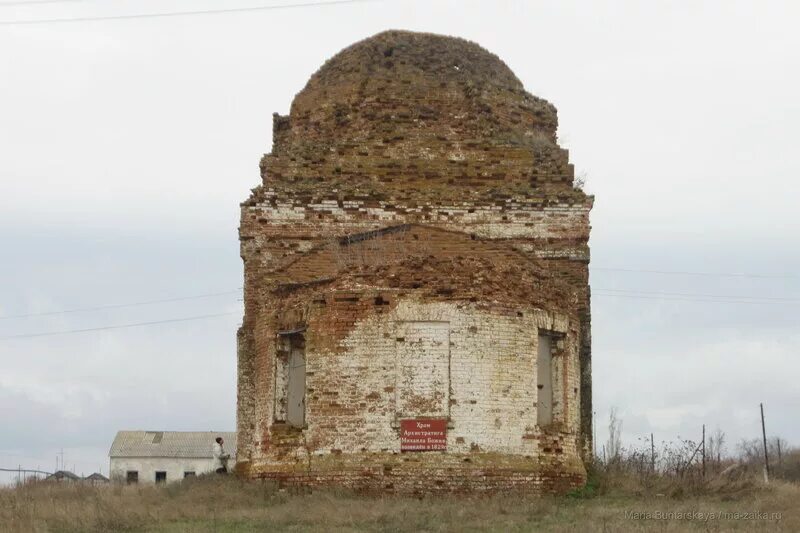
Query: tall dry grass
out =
(224, 504)
(679, 467)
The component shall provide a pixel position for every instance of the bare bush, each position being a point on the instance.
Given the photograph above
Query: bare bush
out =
(678, 466)
(715, 450)
(614, 445)
(750, 451)
(784, 460)
(579, 182)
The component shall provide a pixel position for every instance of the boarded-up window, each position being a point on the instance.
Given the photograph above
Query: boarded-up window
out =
(290, 380)
(132, 476)
(544, 381)
(423, 369)
(296, 388)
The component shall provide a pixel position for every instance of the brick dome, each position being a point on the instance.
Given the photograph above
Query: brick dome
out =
(396, 55)
(436, 84)
(403, 106)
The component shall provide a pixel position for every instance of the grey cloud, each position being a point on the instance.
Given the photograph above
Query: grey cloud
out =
(127, 146)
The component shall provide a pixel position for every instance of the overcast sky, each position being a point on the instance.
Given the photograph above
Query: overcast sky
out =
(127, 145)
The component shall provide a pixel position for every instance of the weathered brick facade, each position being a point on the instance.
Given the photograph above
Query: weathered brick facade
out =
(415, 238)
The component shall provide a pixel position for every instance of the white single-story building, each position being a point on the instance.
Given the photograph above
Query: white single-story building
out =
(165, 456)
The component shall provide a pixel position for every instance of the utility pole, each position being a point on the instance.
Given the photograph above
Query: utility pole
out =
(764, 436)
(780, 459)
(704, 450)
(652, 454)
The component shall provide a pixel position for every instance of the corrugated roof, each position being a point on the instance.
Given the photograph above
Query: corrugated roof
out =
(64, 474)
(170, 443)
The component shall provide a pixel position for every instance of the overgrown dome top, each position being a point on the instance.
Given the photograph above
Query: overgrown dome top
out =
(420, 82)
(416, 111)
(404, 55)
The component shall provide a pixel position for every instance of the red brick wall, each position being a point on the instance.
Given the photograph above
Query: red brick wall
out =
(407, 185)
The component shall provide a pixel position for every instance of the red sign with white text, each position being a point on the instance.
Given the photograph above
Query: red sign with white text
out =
(423, 435)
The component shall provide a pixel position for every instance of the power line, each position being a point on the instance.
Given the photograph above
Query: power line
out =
(34, 2)
(118, 306)
(621, 293)
(676, 299)
(713, 274)
(596, 290)
(183, 13)
(630, 294)
(118, 326)
(770, 299)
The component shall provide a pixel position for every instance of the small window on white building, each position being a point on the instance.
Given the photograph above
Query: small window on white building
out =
(132, 476)
(188, 473)
(161, 477)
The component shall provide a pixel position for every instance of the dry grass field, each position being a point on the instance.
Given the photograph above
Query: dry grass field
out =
(227, 504)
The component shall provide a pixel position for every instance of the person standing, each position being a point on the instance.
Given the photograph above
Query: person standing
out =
(220, 464)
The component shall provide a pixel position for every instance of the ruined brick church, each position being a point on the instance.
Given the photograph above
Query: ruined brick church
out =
(416, 281)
